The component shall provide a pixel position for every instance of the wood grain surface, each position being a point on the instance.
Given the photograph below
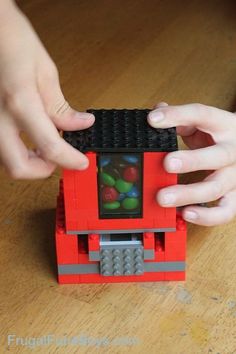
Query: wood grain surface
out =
(126, 53)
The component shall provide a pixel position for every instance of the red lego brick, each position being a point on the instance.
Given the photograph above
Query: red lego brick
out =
(148, 240)
(66, 245)
(148, 277)
(97, 278)
(159, 256)
(67, 248)
(69, 279)
(93, 242)
(175, 242)
(181, 224)
(155, 178)
(80, 193)
(84, 259)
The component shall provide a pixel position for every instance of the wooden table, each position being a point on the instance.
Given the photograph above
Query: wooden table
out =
(123, 53)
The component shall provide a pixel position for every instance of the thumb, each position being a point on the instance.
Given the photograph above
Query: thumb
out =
(66, 118)
(61, 113)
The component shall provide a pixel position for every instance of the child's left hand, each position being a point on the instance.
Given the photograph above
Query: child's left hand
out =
(210, 133)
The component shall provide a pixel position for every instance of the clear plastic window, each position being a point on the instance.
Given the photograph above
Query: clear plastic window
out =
(120, 185)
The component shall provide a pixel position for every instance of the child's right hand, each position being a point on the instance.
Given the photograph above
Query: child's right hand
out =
(210, 133)
(31, 101)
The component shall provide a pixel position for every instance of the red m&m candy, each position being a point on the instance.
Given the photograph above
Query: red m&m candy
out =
(130, 174)
(109, 194)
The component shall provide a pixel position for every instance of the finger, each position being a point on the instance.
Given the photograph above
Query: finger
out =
(66, 118)
(31, 117)
(63, 116)
(223, 213)
(160, 104)
(205, 118)
(17, 160)
(183, 131)
(208, 158)
(212, 188)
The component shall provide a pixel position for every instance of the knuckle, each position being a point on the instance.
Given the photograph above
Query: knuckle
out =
(228, 153)
(190, 159)
(61, 107)
(17, 172)
(52, 151)
(192, 195)
(217, 189)
(13, 102)
(201, 109)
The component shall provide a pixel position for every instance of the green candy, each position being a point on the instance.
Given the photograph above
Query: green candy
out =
(111, 206)
(123, 186)
(130, 203)
(107, 179)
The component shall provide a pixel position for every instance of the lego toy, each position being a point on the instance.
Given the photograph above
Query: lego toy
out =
(109, 227)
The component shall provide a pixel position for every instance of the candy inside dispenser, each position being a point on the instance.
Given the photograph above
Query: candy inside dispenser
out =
(120, 185)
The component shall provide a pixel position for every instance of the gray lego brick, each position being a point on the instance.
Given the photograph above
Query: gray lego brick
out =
(94, 255)
(121, 260)
(119, 245)
(78, 269)
(95, 269)
(85, 232)
(149, 254)
(134, 238)
(164, 266)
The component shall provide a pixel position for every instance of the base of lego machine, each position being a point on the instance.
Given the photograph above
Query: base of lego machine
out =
(119, 257)
(97, 279)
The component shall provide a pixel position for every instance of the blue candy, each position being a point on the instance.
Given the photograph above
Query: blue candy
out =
(104, 161)
(133, 193)
(130, 158)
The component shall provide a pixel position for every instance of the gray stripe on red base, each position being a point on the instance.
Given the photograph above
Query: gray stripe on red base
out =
(86, 232)
(69, 269)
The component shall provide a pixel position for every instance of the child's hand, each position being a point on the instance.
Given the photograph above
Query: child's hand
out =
(31, 101)
(210, 133)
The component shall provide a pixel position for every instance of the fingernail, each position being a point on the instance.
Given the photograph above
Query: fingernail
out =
(84, 165)
(84, 115)
(168, 199)
(162, 104)
(190, 215)
(175, 164)
(156, 116)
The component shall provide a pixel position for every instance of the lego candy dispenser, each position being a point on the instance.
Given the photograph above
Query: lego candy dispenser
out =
(109, 227)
